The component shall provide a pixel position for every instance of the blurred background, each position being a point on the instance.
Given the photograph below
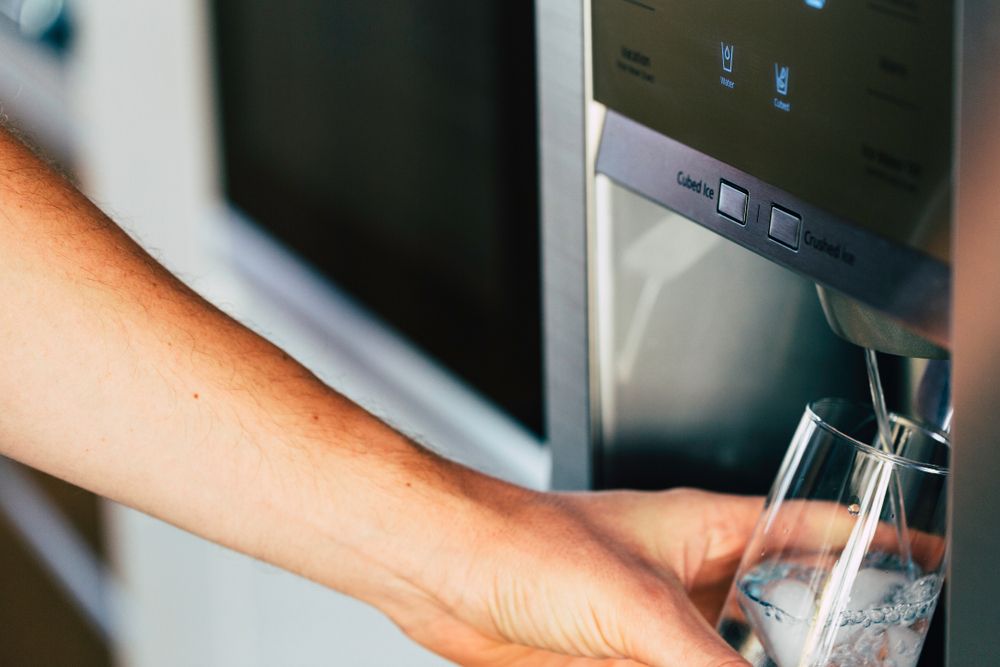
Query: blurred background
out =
(358, 182)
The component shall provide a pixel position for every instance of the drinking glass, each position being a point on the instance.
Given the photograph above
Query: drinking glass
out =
(845, 566)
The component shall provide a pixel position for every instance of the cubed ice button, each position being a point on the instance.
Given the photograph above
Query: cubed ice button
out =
(733, 202)
(784, 227)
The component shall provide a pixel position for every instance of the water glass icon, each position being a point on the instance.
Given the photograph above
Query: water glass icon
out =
(781, 79)
(727, 56)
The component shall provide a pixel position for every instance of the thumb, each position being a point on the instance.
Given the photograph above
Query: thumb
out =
(675, 634)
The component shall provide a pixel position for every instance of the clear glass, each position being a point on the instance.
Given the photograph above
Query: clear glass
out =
(846, 563)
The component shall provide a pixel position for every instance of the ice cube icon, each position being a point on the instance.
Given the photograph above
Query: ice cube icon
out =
(781, 79)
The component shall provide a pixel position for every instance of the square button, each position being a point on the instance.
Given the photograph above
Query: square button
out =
(784, 227)
(733, 202)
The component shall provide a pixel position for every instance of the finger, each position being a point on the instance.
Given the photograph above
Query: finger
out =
(470, 648)
(731, 521)
(667, 523)
(466, 646)
(805, 526)
(515, 655)
(814, 526)
(672, 632)
(727, 526)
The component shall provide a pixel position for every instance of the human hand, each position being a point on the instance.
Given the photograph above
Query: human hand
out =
(616, 579)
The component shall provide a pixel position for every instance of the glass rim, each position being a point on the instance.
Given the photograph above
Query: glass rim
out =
(895, 459)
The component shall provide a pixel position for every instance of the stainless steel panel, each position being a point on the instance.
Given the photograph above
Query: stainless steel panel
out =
(708, 352)
(975, 587)
(560, 34)
(892, 278)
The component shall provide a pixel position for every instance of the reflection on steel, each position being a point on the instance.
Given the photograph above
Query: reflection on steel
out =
(975, 588)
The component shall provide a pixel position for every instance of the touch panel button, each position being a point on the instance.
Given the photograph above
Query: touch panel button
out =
(784, 227)
(733, 202)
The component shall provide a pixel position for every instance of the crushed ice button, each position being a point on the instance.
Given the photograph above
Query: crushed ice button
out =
(784, 227)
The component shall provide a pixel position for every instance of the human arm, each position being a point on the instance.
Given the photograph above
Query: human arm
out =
(120, 379)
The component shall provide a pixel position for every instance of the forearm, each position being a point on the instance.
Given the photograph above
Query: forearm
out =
(118, 378)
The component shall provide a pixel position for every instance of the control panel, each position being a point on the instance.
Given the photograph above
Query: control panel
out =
(894, 278)
(815, 132)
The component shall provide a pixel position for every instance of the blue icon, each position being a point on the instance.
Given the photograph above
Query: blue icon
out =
(816, 4)
(727, 56)
(781, 79)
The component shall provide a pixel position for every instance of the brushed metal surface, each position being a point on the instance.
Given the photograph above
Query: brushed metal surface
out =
(560, 35)
(892, 278)
(708, 352)
(975, 587)
(733, 202)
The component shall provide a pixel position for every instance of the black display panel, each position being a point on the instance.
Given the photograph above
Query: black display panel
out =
(394, 146)
(846, 105)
